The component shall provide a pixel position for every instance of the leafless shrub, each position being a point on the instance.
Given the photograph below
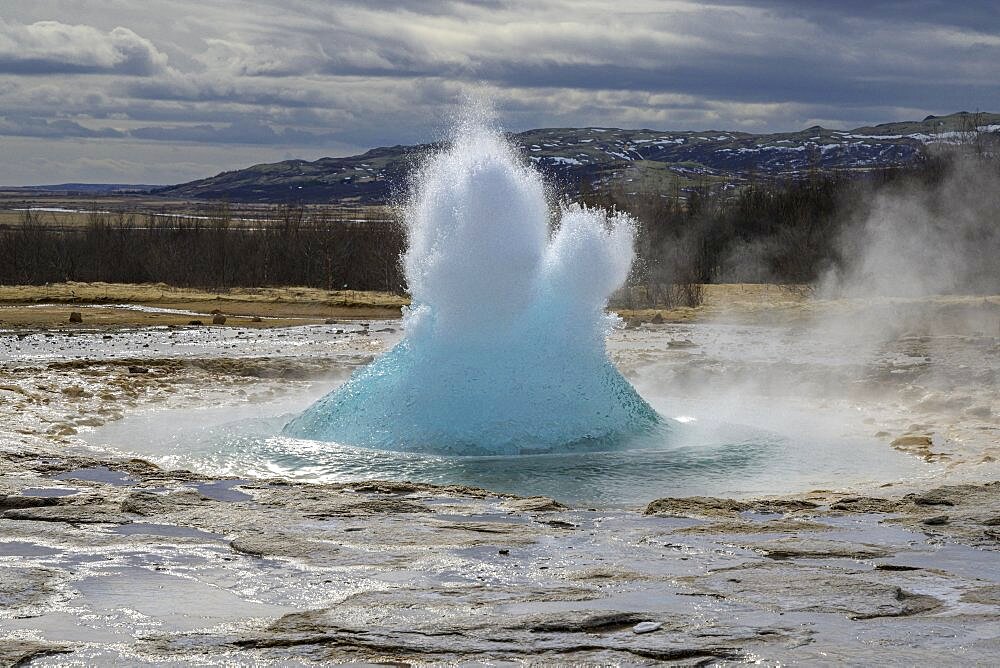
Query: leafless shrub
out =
(324, 250)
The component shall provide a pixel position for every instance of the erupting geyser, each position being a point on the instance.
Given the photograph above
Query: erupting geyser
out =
(504, 344)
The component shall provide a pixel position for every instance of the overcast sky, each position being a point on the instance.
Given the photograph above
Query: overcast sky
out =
(164, 91)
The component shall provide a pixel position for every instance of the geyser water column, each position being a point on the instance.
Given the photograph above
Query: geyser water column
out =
(504, 348)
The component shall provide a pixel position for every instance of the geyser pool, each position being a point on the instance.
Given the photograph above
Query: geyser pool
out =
(749, 456)
(504, 348)
(502, 379)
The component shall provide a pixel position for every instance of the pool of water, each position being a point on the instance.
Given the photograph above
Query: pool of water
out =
(694, 455)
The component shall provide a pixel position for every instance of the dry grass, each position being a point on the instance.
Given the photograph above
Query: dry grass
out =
(50, 305)
(742, 299)
(82, 208)
(159, 293)
(13, 218)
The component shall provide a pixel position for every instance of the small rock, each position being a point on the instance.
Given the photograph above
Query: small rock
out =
(647, 627)
(535, 504)
(865, 504)
(218, 319)
(137, 369)
(633, 323)
(896, 567)
(144, 503)
(934, 497)
(503, 551)
(76, 316)
(937, 520)
(912, 441)
(657, 319)
(196, 323)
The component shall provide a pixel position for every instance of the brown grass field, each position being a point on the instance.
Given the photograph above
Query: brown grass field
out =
(23, 306)
(106, 305)
(50, 305)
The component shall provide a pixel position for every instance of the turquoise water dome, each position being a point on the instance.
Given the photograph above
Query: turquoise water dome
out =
(504, 344)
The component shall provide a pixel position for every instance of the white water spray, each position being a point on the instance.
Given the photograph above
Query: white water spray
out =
(504, 347)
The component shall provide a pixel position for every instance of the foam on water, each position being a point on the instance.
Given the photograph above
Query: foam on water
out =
(504, 342)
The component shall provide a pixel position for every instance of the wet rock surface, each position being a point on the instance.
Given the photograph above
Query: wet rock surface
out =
(127, 562)
(297, 573)
(792, 548)
(20, 652)
(22, 587)
(102, 514)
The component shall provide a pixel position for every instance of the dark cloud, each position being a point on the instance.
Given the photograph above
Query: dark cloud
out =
(755, 79)
(191, 89)
(303, 74)
(51, 129)
(242, 132)
(979, 15)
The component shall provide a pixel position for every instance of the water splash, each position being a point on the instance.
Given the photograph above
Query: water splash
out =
(504, 347)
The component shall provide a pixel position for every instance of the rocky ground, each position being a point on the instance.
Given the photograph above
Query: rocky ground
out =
(110, 560)
(137, 565)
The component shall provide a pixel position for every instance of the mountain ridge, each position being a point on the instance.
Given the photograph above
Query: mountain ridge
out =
(600, 158)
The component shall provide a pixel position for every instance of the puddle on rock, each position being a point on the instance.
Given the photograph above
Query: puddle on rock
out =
(98, 474)
(49, 491)
(17, 548)
(222, 490)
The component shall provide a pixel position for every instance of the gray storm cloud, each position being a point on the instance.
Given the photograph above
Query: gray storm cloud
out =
(315, 78)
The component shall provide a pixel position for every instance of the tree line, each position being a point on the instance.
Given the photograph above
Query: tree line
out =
(799, 230)
(790, 232)
(291, 247)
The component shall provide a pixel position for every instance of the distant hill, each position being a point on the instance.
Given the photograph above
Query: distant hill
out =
(87, 188)
(600, 158)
